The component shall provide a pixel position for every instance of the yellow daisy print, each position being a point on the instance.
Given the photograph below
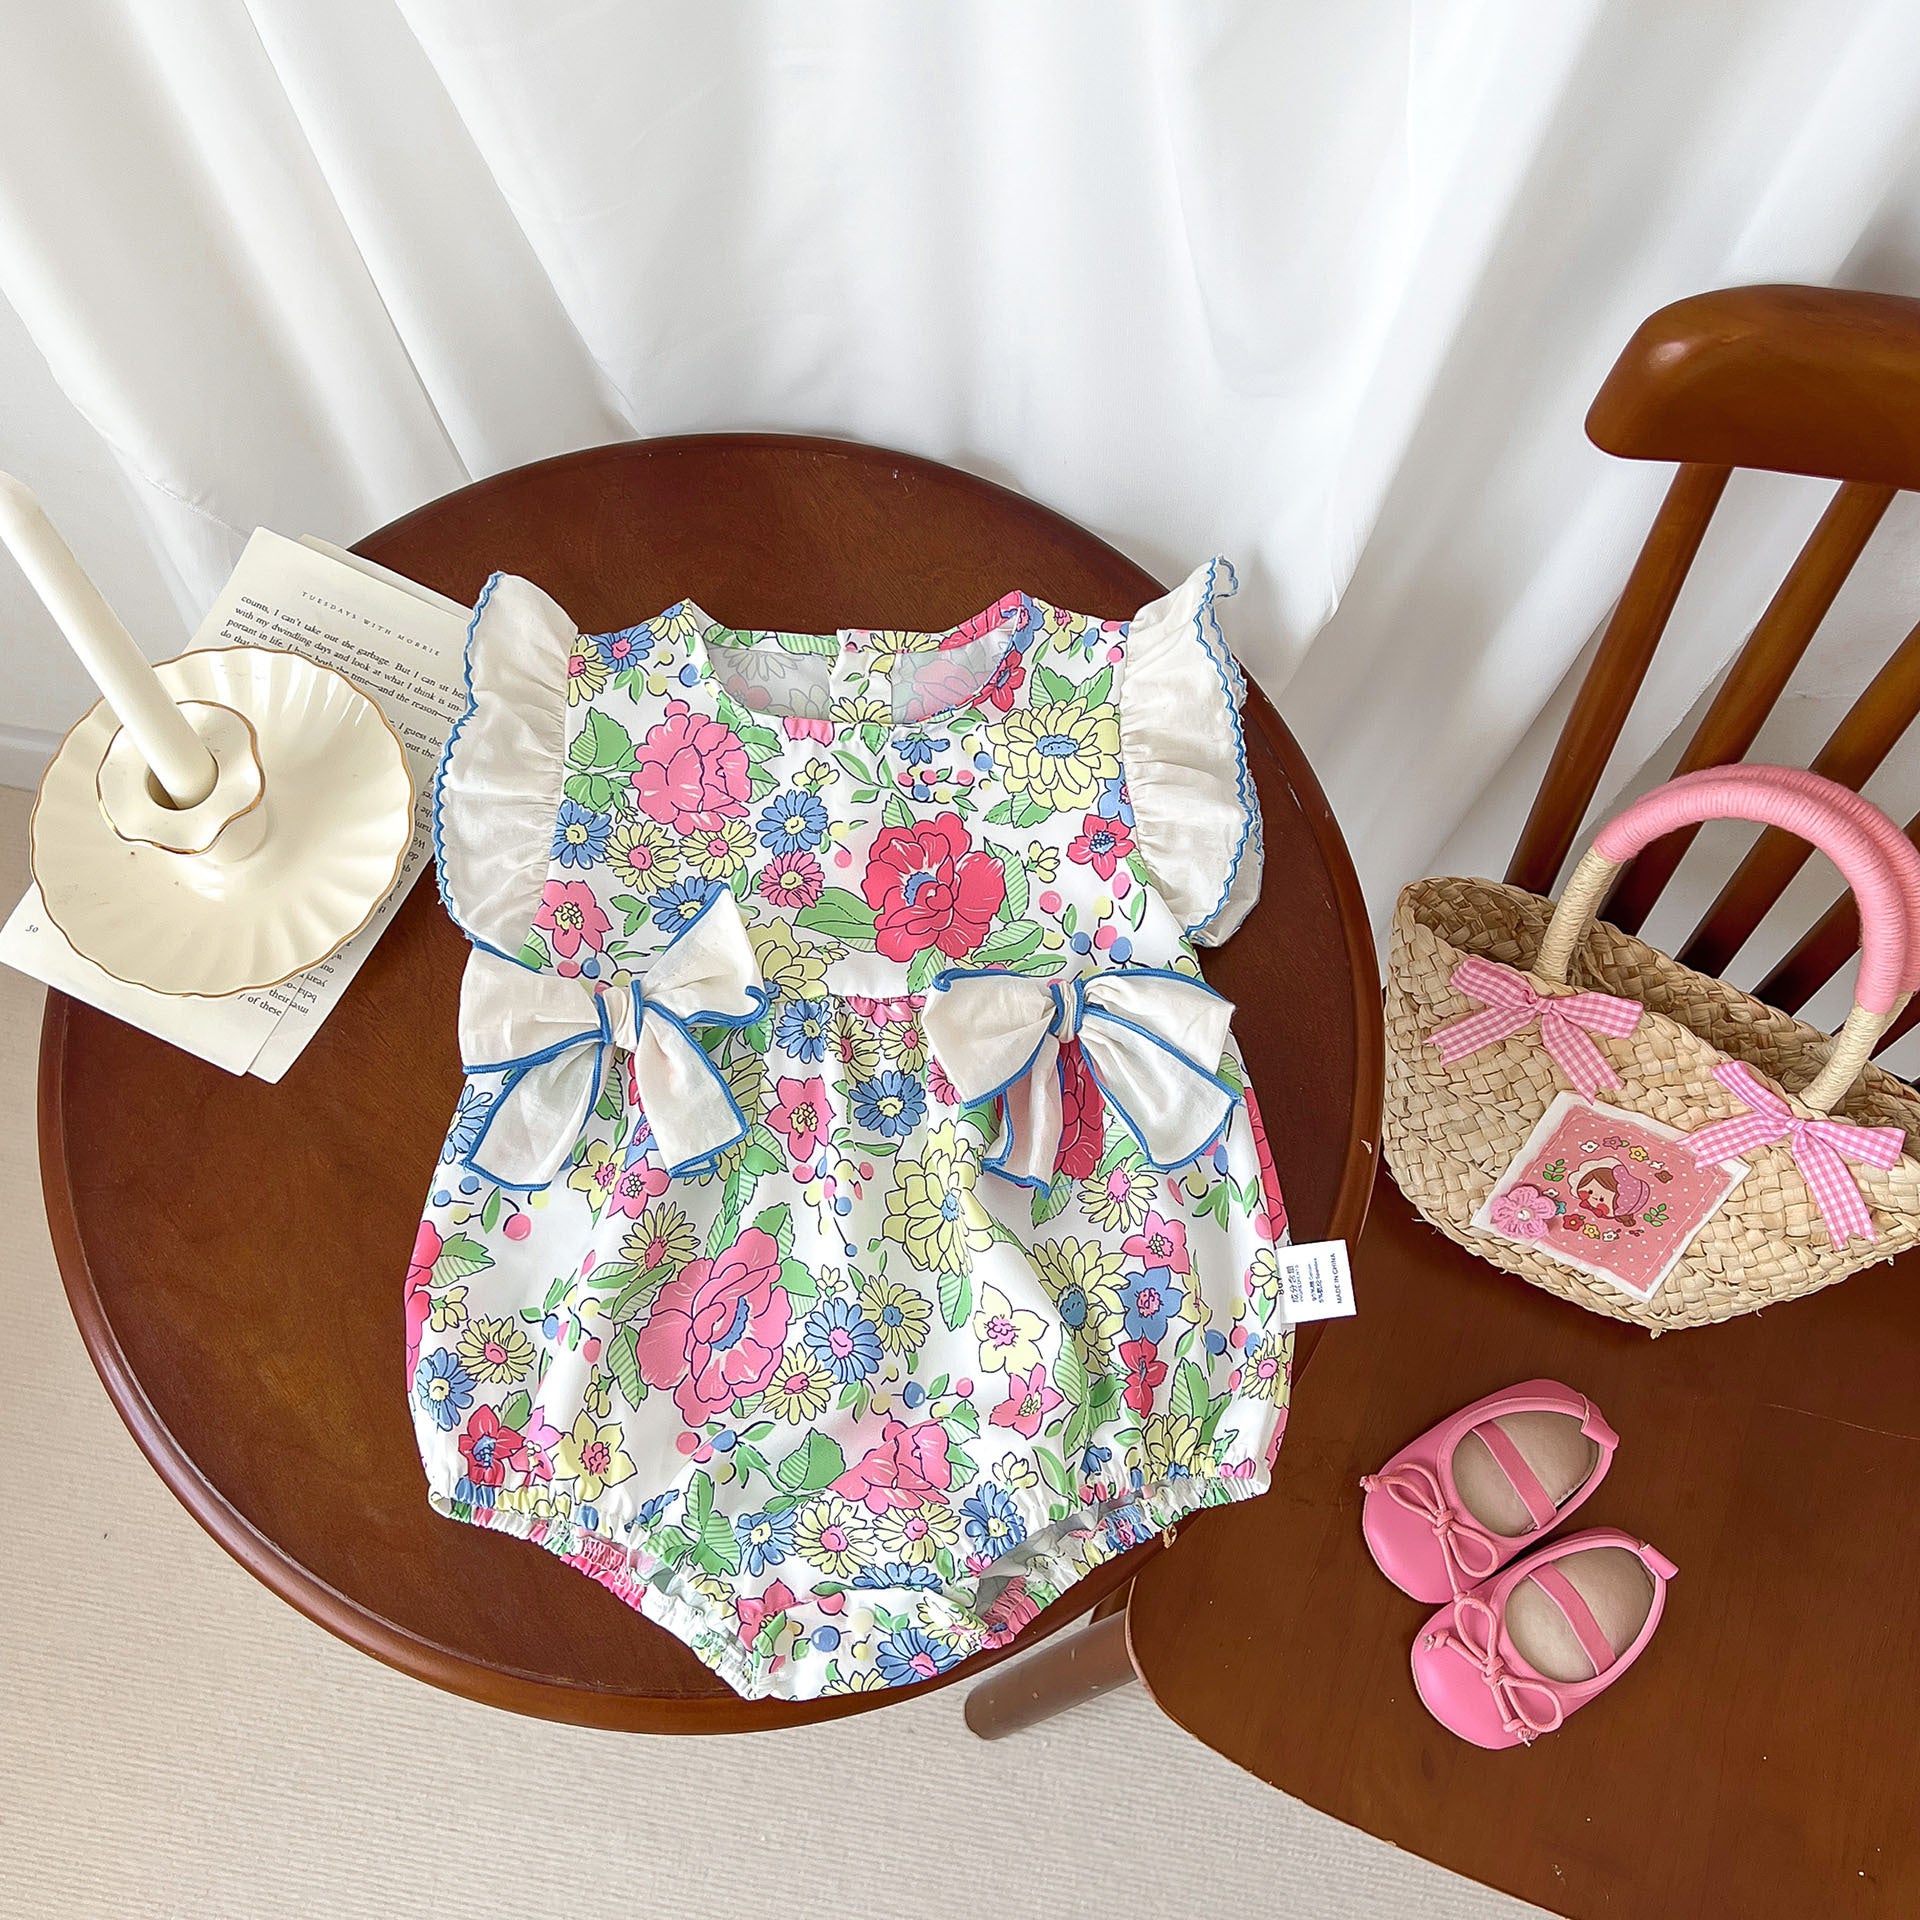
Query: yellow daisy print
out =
(721, 854)
(662, 1240)
(496, 1351)
(917, 1535)
(643, 854)
(586, 671)
(899, 1315)
(1060, 755)
(835, 1536)
(591, 1457)
(800, 1388)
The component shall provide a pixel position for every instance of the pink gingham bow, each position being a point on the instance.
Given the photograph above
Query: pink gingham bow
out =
(1819, 1148)
(1512, 1005)
(1528, 1707)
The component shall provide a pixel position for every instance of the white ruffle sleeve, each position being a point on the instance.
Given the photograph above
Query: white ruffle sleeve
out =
(1196, 817)
(498, 791)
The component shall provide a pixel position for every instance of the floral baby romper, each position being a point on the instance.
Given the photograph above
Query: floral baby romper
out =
(855, 1226)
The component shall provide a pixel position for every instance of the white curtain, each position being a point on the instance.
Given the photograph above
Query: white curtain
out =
(1325, 287)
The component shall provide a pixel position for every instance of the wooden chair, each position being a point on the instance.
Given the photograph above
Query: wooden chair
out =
(1764, 1757)
(234, 1252)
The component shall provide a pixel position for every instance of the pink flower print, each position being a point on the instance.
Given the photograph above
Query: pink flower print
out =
(930, 886)
(803, 729)
(942, 1089)
(640, 1180)
(1160, 1243)
(690, 773)
(1145, 1371)
(716, 1330)
(571, 918)
(1083, 1117)
(1522, 1213)
(1029, 1400)
(1003, 688)
(753, 1611)
(792, 880)
(426, 1250)
(907, 1469)
(1101, 845)
(490, 1449)
(541, 1437)
(801, 1114)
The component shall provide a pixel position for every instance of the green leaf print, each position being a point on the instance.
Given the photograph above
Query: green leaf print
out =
(632, 910)
(460, 1256)
(926, 963)
(841, 916)
(815, 1463)
(1190, 1398)
(718, 1551)
(1053, 1201)
(963, 1465)
(1009, 949)
(1014, 906)
(533, 952)
(777, 1224)
(603, 744)
(610, 1276)
(1070, 1375)
(1099, 690)
(956, 1299)
(490, 1213)
(1056, 687)
(797, 1281)
(896, 813)
(591, 790)
(517, 1410)
(636, 1297)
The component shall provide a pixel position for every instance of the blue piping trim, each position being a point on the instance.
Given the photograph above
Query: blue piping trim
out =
(1220, 657)
(439, 781)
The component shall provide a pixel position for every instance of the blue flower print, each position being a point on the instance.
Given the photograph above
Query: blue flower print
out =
(911, 1655)
(891, 1103)
(1114, 803)
(679, 905)
(641, 1144)
(896, 1573)
(765, 1539)
(464, 1489)
(1149, 1300)
(468, 1118)
(580, 834)
(1073, 1305)
(444, 1389)
(625, 649)
(993, 1522)
(843, 1340)
(802, 1029)
(916, 749)
(1092, 1460)
(793, 822)
(652, 1509)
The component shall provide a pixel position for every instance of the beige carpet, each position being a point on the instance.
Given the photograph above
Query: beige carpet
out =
(174, 1741)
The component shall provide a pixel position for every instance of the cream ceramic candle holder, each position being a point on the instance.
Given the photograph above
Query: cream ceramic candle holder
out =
(300, 837)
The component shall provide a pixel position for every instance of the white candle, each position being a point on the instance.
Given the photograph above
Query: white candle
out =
(181, 764)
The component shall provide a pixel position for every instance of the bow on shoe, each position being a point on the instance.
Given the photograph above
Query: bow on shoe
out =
(1819, 1148)
(1151, 1038)
(1513, 1004)
(1469, 1556)
(1475, 1637)
(550, 1040)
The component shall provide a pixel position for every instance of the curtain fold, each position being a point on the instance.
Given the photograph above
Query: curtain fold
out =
(1325, 288)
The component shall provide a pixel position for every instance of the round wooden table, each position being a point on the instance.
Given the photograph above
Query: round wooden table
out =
(234, 1252)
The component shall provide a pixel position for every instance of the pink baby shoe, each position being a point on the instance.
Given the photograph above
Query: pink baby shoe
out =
(1510, 1659)
(1454, 1506)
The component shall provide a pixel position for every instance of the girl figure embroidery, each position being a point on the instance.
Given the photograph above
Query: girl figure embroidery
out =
(1610, 1190)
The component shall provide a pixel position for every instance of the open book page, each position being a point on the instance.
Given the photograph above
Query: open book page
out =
(399, 643)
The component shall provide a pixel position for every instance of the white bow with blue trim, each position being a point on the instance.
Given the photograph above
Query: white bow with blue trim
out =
(1151, 1038)
(550, 1040)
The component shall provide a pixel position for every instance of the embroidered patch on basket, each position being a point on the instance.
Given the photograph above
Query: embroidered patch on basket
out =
(1608, 1193)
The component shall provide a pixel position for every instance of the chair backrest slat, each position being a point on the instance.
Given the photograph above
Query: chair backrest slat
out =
(1758, 677)
(1857, 746)
(1619, 666)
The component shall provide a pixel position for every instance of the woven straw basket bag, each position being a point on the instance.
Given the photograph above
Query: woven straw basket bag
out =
(1500, 1004)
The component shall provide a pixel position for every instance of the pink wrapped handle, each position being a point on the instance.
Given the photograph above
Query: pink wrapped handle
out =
(1878, 861)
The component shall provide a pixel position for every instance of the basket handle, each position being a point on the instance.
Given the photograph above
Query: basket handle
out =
(1876, 859)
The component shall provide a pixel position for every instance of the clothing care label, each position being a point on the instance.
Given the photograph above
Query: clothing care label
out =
(1316, 1283)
